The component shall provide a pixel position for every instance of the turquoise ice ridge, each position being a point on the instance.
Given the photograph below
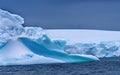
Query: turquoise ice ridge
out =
(30, 45)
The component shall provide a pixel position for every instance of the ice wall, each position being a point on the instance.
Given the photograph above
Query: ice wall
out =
(102, 49)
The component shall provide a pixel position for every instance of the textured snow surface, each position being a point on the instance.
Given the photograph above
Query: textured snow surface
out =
(11, 28)
(31, 45)
(102, 49)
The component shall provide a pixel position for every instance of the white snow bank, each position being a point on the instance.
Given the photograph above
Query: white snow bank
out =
(15, 52)
(83, 35)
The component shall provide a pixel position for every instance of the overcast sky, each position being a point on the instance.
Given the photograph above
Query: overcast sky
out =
(80, 14)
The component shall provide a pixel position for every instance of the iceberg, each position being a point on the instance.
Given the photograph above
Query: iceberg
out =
(31, 45)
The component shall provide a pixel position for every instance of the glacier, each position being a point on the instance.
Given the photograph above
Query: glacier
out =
(99, 43)
(31, 45)
(102, 49)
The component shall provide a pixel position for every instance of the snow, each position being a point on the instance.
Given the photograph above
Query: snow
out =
(102, 49)
(11, 28)
(83, 35)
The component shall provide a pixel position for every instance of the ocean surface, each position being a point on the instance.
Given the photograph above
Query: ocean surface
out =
(106, 66)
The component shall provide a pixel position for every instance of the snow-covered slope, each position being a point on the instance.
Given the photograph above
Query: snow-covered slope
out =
(16, 53)
(83, 35)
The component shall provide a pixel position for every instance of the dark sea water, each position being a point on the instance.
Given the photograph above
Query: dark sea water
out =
(106, 66)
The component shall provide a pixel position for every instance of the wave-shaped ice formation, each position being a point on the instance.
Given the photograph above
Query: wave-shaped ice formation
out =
(30, 45)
